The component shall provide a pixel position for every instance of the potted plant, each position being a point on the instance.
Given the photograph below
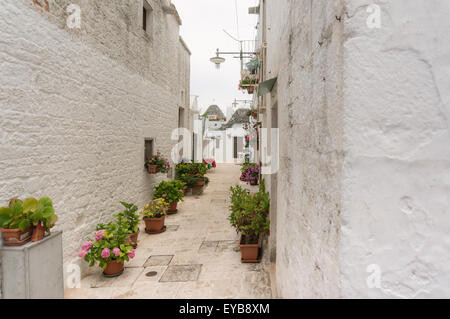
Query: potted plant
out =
(171, 192)
(15, 223)
(42, 216)
(111, 248)
(22, 217)
(154, 216)
(130, 220)
(249, 215)
(248, 83)
(157, 163)
(193, 174)
(250, 173)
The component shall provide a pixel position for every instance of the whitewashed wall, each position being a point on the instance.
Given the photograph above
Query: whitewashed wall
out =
(365, 153)
(76, 106)
(396, 176)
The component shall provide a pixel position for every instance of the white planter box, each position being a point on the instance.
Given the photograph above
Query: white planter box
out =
(34, 270)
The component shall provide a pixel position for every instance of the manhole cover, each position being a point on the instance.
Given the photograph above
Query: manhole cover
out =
(151, 274)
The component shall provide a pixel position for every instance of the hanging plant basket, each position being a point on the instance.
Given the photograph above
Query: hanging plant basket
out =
(250, 89)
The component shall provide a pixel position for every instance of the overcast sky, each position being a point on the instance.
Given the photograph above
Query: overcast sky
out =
(202, 30)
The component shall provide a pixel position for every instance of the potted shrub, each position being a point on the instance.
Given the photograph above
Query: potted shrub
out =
(111, 248)
(171, 192)
(249, 215)
(157, 163)
(130, 220)
(15, 223)
(154, 216)
(193, 174)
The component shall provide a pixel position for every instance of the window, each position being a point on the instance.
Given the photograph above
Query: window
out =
(149, 148)
(147, 18)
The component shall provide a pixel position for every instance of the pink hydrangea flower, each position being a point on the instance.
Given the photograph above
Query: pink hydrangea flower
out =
(164, 195)
(116, 252)
(99, 235)
(106, 253)
(128, 240)
(131, 254)
(82, 254)
(87, 245)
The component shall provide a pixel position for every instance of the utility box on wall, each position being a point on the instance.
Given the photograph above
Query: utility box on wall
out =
(34, 270)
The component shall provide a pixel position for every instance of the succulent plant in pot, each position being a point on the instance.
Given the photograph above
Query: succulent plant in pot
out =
(111, 247)
(154, 214)
(171, 192)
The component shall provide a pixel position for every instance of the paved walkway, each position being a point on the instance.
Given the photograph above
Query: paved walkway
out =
(197, 257)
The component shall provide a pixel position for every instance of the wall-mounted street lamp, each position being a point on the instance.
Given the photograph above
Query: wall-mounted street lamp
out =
(218, 60)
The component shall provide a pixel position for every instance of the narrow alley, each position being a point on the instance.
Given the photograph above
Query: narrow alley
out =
(197, 257)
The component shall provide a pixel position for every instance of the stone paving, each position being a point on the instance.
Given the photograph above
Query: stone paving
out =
(197, 257)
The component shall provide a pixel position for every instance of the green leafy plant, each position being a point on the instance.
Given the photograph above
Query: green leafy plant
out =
(160, 161)
(22, 214)
(191, 173)
(155, 209)
(42, 212)
(15, 216)
(249, 213)
(129, 218)
(171, 191)
(112, 242)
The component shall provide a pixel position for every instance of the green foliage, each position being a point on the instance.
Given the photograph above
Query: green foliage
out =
(249, 212)
(155, 209)
(171, 191)
(113, 235)
(191, 173)
(129, 218)
(42, 212)
(31, 211)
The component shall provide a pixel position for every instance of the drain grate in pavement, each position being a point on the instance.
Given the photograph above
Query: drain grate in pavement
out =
(181, 273)
(158, 261)
(151, 274)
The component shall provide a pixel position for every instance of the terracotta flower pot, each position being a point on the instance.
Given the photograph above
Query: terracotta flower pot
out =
(200, 183)
(16, 237)
(250, 89)
(250, 253)
(172, 207)
(38, 233)
(152, 169)
(154, 224)
(134, 238)
(113, 268)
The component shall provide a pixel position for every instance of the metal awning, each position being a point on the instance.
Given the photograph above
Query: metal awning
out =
(266, 86)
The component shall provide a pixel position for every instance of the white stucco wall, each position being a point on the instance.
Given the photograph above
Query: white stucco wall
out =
(365, 154)
(396, 176)
(309, 101)
(76, 106)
